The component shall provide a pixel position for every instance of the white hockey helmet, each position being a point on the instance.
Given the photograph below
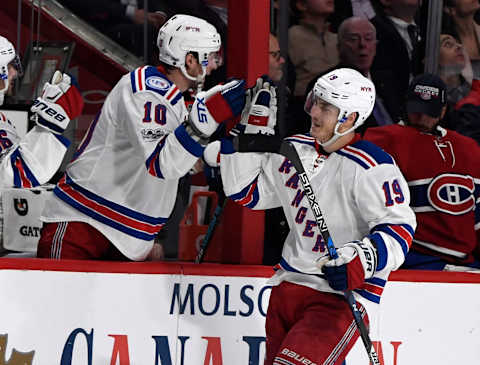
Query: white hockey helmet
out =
(7, 56)
(349, 91)
(183, 34)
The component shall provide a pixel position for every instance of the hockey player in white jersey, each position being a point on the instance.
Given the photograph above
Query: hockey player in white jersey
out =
(121, 185)
(32, 160)
(365, 202)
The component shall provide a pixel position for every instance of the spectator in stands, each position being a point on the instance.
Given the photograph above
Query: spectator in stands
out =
(33, 159)
(347, 8)
(357, 43)
(312, 48)
(121, 20)
(441, 167)
(121, 187)
(464, 27)
(463, 93)
(452, 63)
(398, 56)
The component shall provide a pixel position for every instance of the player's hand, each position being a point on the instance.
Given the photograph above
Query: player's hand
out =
(215, 106)
(211, 154)
(260, 112)
(356, 262)
(59, 103)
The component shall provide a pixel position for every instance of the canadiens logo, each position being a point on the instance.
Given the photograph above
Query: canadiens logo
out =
(452, 193)
(21, 206)
(158, 83)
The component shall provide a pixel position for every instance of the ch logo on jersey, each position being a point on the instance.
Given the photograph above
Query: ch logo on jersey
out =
(452, 193)
(21, 206)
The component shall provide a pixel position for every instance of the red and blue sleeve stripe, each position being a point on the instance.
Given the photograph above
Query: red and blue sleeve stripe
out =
(117, 216)
(401, 233)
(249, 196)
(366, 154)
(23, 177)
(188, 142)
(153, 162)
(372, 289)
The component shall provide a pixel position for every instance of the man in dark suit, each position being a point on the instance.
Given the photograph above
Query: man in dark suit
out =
(398, 56)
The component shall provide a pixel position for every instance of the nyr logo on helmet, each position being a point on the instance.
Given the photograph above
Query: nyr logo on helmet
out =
(333, 77)
(158, 83)
(452, 193)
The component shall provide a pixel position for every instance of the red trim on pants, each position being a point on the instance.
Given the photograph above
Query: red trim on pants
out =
(76, 240)
(307, 326)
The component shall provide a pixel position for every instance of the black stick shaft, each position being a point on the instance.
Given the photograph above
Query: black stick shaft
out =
(211, 228)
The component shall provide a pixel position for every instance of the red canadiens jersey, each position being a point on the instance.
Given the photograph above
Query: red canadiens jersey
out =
(444, 180)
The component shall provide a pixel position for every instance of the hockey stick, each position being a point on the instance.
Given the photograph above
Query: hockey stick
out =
(289, 151)
(222, 201)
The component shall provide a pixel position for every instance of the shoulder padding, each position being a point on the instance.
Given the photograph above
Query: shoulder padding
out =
(366, 154)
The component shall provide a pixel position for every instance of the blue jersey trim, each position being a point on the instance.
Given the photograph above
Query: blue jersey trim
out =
(188, 142)
(382, 252)
(379, 155)
(367, 295)
(63, 140)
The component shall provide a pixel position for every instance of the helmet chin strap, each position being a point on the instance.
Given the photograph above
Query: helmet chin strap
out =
(336, 134)
(198, 79)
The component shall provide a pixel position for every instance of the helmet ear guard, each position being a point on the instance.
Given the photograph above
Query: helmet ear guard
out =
(184, 34)
(350, 92)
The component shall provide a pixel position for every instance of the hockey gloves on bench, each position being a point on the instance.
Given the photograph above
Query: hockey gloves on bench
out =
(260, 112)
(60, 102)
(215, 106)
(356, 262)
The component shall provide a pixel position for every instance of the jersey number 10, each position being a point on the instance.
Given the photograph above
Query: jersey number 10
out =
(159, 113)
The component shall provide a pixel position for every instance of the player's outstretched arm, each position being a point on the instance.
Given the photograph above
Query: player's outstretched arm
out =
(213, 107)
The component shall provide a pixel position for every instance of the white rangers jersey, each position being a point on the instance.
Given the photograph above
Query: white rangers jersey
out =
(29, 161)
(123, 178)
(359, 189)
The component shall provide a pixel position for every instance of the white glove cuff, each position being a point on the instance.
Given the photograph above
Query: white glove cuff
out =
(367, 254)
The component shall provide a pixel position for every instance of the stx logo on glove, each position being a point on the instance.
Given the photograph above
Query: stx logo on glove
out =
(202, 111)
(49, 111)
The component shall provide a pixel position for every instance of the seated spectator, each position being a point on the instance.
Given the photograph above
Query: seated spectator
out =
(463, 93)
(398, 56)
(312, 48)
(122, 21)
(452, 63)
(441, 167)
(357, 43)
(463, 26)
(347, 8)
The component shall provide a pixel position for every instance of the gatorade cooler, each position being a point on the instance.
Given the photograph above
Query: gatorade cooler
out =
(192, 231)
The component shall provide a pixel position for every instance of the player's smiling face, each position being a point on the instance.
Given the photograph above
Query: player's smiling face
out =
(324, 118)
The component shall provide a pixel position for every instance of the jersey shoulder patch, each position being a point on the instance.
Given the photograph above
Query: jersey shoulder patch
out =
(366, 154)
(149, 78)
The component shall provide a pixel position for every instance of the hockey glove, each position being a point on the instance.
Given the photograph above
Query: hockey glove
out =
(60, 102)
(260, 112)
(215, 106)
(356, 262)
